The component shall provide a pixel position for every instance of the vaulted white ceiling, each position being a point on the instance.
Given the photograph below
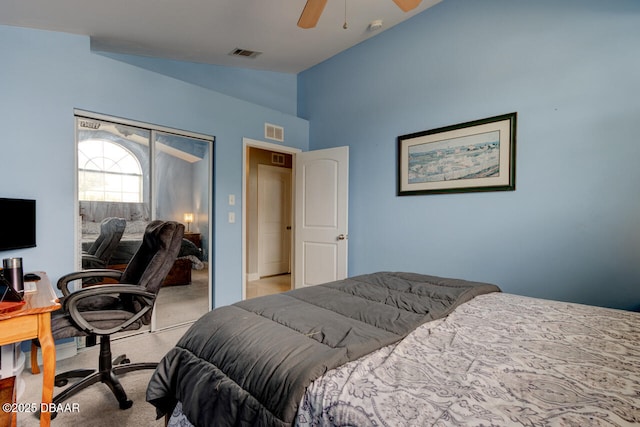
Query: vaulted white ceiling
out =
(208, 30)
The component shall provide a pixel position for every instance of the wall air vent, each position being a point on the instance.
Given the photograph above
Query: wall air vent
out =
(274, 132)
(244, 53)
(277, 159)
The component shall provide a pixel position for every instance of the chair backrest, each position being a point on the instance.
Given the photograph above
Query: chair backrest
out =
(155, 257)
(111, 230)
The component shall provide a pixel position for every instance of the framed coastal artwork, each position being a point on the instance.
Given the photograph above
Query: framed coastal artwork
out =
(473, 156)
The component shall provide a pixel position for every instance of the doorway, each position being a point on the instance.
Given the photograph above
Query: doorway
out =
(319, 200)
(268, 225)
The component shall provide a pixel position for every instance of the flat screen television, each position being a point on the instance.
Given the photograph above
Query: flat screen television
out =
(18, 229)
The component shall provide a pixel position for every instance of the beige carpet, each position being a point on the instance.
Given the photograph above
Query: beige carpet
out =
(97, 406)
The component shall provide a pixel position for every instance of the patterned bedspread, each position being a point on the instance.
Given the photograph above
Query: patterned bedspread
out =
(497, 360)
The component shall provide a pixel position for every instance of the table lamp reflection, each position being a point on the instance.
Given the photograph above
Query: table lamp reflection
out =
(188, 218)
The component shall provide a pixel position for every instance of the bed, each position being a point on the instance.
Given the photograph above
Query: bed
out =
(492, 359)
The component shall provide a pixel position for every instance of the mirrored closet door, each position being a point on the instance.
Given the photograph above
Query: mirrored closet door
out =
(138, 173)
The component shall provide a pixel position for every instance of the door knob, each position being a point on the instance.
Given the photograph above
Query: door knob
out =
(342, 236)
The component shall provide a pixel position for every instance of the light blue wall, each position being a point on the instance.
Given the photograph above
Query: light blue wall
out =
(571, 69)
(45, 75)
(269, 89)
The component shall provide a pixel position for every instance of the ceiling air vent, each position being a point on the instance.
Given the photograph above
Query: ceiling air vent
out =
(274, 132)
(244, 53)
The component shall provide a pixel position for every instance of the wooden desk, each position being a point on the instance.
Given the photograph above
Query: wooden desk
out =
(8, 395)
(33, 320)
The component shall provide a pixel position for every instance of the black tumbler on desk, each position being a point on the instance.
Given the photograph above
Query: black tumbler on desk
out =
(12, 271)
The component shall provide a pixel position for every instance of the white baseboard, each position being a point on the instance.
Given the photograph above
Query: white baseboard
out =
(66, 350)
(63, 351)
(252, 276)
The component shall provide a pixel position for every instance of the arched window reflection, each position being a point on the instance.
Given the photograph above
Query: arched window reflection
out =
(108, 172)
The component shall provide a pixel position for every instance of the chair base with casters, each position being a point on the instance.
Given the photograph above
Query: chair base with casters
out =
(107, 373)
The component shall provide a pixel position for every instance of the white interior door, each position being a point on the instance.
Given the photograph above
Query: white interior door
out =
(274, 220)
(321, 216)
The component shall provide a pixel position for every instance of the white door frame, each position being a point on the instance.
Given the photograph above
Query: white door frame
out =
(253, 143)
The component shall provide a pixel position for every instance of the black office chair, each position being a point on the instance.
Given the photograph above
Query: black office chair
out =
(100, 252)
(104, 310)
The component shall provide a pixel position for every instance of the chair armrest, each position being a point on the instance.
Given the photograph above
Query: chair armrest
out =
(63, 282)
(70, 305)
